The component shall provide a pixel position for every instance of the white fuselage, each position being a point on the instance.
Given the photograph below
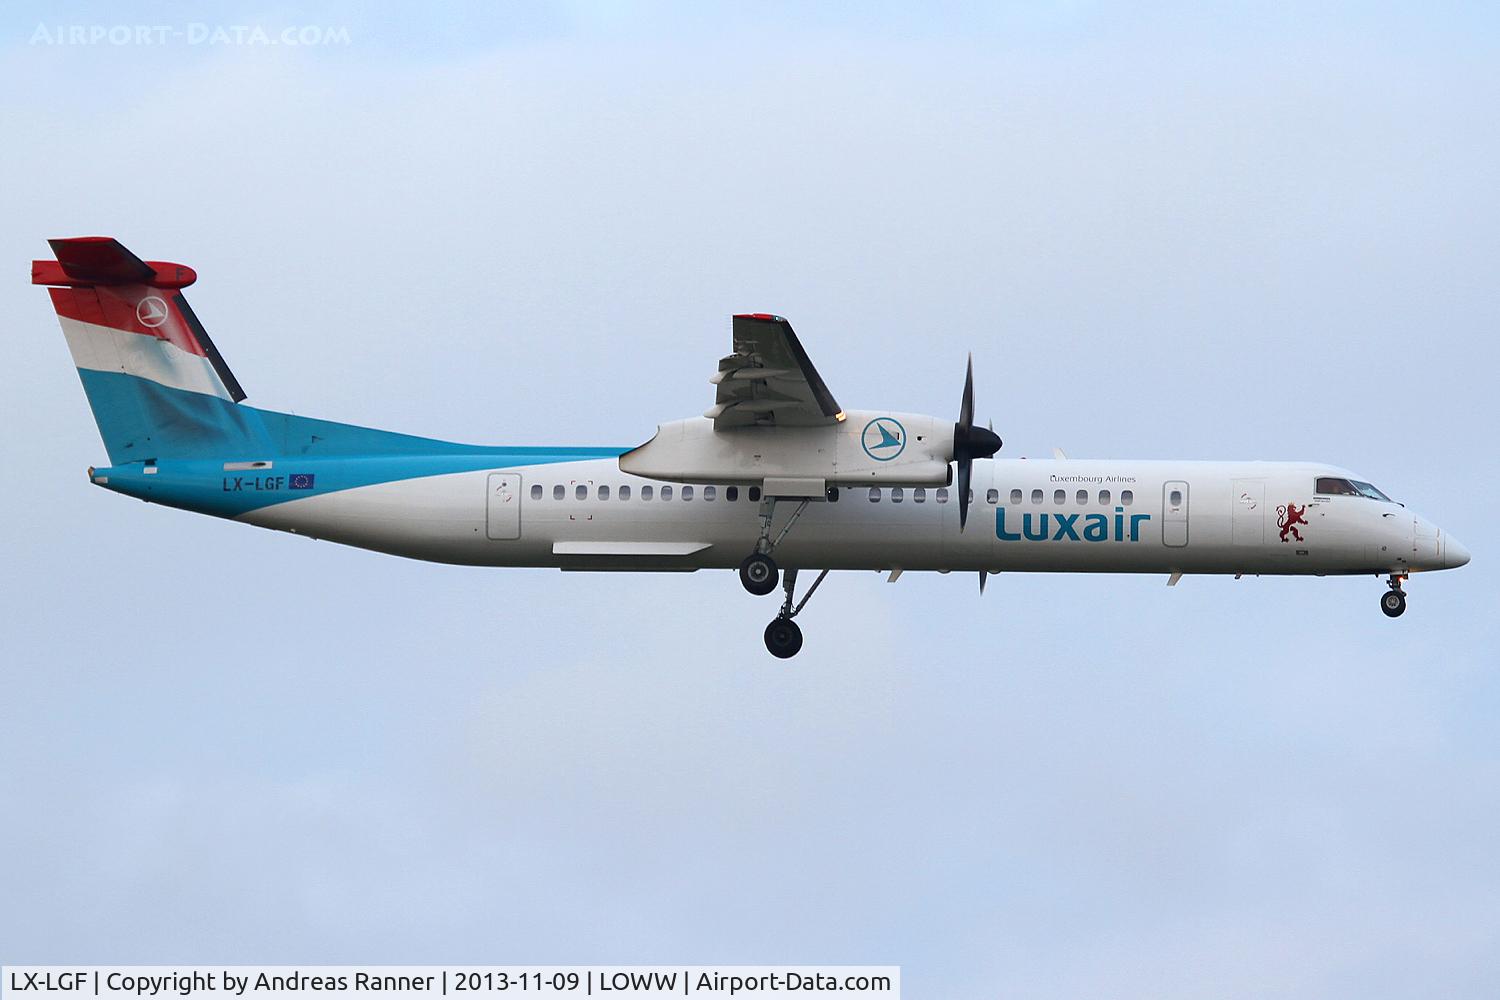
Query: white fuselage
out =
(1027, 515)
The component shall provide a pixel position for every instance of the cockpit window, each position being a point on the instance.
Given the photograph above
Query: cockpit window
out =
(1329, 486)
(1365, 489)
(1332, 486)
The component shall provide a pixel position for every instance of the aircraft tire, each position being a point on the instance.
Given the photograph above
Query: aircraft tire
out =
(1393, 603)
(783, 638)
(758, 574)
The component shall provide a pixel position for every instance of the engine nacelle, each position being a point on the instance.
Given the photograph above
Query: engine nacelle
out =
(866, 448)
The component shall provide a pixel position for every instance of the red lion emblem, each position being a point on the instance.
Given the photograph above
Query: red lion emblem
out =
(1287, 519)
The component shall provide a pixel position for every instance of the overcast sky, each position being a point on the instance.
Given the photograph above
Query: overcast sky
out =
(1267, 233)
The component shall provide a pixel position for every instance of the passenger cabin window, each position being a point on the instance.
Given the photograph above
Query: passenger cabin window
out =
(624, 493)
(1127, 497)
(1331, 486)
(874, 494)
(991, 496)
(581, 492)
(687, 493)
(897, 494)
(832, 493)
(754, 494)
(536, 491)
(1036, 496)
(647, 492)
(558, 492)
(1015, 496)
(731, 493)
(1083, 497)
(710, 492)
(666, 492)
(942, 494)
(919, 495)
(1104, 497)
(1059, 497)
(604, 493)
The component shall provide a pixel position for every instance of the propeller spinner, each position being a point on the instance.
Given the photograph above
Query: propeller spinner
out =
(969, 443)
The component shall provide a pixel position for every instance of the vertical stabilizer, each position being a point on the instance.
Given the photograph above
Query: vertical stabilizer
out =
(158, 386)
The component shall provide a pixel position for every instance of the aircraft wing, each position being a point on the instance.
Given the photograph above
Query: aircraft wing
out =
(768, 380)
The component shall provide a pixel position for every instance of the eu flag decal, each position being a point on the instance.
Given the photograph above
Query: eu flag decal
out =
(300, 480)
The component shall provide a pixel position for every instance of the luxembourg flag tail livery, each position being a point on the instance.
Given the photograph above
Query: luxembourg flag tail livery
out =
(159, 389)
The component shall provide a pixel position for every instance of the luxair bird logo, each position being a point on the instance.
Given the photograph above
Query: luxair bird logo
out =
(884, 438)
(1287, 519)
(151, 312)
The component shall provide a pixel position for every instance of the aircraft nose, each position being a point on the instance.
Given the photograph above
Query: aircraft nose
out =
(1454, 554)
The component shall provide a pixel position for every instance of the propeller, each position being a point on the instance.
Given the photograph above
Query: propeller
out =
(969, 443)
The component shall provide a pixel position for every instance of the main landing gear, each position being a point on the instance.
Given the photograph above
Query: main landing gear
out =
(758, 571)
(1393, 601)
(783, 637)
(758, 574)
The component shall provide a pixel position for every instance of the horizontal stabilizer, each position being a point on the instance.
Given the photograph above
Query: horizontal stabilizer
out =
(103, 260)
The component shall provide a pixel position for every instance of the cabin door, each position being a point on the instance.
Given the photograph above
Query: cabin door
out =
(1174, 515)
(502, 509)
(1249, 515)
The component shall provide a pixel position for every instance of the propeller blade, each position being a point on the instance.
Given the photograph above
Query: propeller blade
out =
(969, 444)
(966, 408)
(965, 470)
(983, 576)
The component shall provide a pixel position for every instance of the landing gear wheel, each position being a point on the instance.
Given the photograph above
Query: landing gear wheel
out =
(783, 638)
(758, 574)
(1393, 603)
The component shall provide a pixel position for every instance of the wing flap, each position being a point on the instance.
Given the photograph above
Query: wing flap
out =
(769, 379)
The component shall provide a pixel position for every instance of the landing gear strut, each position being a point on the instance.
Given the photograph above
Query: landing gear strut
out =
(783, 637)
(1393, 601)
(758, 571)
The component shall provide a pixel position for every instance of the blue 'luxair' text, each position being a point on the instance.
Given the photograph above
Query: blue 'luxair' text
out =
(1059, 527)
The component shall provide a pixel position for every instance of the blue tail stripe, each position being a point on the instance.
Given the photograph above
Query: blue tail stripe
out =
(209, 488)
(189, 436)
(142, 420)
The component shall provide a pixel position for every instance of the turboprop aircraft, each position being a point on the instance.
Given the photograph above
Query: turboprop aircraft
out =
(775, 478)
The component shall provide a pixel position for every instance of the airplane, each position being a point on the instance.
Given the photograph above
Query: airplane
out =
(774, 479)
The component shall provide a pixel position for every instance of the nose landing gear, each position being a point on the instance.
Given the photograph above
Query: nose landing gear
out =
(1393, 601)
(783, 636)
